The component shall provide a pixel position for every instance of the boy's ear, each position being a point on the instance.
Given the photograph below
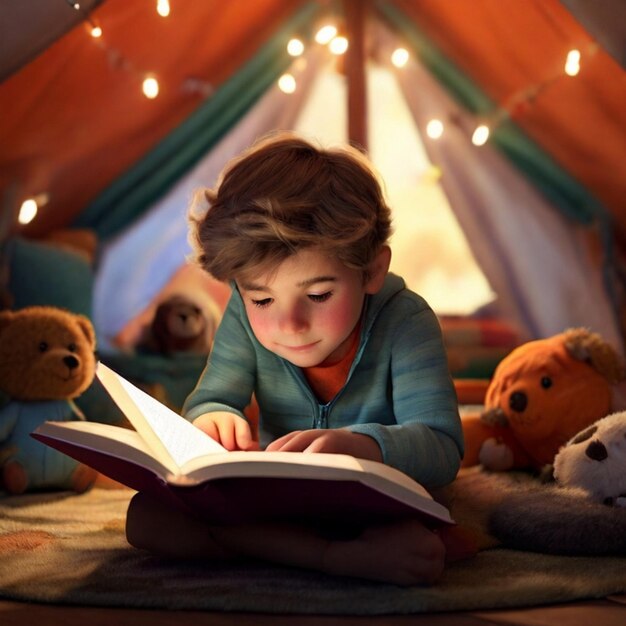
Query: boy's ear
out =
(377, 270)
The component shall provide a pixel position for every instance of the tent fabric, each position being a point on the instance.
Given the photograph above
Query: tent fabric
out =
(529, 252)
(566, 193)
(32, 27)
(150, 178)
(580, 122)
(74, 119)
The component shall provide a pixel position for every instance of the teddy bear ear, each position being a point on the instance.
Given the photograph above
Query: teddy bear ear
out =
(86, 326)
(6, 317)
(584, 345)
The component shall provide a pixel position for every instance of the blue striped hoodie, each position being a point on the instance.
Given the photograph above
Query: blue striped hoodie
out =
(399, 390)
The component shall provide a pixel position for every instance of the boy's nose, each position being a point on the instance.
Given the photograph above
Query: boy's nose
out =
(293, 320)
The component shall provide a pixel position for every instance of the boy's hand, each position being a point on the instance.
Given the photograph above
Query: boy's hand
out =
(334, 440)
(232, 431)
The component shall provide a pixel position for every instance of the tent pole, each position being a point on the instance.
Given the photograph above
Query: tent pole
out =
(355, 12)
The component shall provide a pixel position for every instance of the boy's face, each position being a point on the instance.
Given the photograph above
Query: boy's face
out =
(306, 310)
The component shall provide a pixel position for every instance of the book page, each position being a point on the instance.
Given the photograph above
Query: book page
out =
(115, 441)
(169, 435)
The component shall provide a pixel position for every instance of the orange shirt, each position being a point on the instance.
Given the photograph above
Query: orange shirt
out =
(326, 379)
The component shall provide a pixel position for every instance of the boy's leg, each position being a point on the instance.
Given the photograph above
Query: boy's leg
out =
(167, 531)
(404, 553)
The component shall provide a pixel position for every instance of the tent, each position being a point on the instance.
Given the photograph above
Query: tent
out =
(541, 203)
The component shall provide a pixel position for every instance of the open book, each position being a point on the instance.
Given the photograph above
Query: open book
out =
(170, 458)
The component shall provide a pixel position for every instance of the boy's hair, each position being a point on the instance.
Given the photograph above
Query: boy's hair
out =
(283, 195)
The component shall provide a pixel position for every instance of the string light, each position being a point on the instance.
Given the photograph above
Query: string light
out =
(481, 135)
(94, 29)
(521, 101)
(338, 45)
(572, 64)
(400, 57)
(295, 47)
(287, 83)
(150, 86)
(434, 129)
(30, 207)
(163, 8)
(28, 211)
(325, 34)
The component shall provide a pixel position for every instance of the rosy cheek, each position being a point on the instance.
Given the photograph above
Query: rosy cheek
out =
(342, 315)
(258, 322)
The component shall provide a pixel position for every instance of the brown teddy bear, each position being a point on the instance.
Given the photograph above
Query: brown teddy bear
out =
(47, 358)
(541, 395)
(181, 325)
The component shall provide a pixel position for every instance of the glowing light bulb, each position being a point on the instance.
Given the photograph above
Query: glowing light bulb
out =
(28, 211)
(95, 31)
(400, 57)
(150, 87)
(434, 129)
(163, 8)
(338, 45)
(480, 136)
(572, 64)
(295, 47)
(325, 34)
(287, 83)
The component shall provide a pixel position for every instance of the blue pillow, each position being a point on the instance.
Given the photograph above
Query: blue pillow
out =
(45, 274)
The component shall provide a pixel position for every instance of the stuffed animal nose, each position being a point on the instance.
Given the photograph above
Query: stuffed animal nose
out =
(518, 401)
(596, 451)
(71, 362)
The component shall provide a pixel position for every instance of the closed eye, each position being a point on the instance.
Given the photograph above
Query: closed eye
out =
(262, 304)
(320, 297)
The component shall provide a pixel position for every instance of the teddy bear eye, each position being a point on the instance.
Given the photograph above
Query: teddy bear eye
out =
(72, 347)
(546, 382)
(43, 346)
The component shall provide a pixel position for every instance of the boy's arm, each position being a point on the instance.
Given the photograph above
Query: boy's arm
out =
(228, 380)
(427, 440)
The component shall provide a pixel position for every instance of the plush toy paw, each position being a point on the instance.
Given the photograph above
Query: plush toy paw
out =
(495, 455)
(494, 417)
(14, 478)
(83, 478)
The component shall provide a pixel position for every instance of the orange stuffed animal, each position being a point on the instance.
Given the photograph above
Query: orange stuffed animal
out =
(541, 395)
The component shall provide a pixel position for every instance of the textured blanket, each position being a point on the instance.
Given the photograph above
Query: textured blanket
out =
(71, 549)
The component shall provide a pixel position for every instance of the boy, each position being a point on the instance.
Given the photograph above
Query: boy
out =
(340, 356)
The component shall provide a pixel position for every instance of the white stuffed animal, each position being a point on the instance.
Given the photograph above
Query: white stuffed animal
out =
(595, 461)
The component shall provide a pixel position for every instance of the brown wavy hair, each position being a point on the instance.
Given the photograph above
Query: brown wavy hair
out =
(285, 194)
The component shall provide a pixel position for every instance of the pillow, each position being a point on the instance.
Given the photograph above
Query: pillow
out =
(46, 274)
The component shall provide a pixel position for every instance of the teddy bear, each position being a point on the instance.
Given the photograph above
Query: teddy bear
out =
(594, 460)
(542, 394)
(180, 325)
(47, 358)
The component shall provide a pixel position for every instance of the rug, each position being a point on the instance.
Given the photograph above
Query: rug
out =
(70, 549)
